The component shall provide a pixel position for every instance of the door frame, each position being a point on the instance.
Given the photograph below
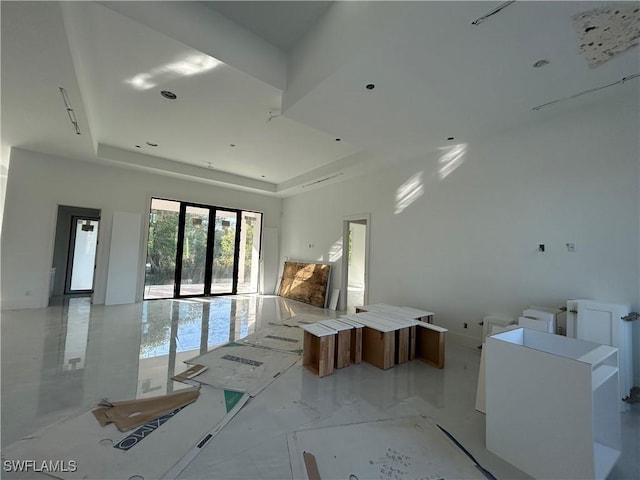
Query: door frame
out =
(358, 218)
(209, 256)
(208, 277)
(71, 253)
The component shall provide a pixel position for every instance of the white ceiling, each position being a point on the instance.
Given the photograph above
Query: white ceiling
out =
(281, 23)
(283, 80)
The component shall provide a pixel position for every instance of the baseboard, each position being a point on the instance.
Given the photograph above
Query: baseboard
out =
(21, 304)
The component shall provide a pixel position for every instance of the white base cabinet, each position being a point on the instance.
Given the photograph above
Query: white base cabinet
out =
(602, 323)
(552, 407)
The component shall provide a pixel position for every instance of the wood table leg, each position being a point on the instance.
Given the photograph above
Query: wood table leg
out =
(430, 346)
(378, 348)
(356, 345)
(402, 345)
(343, 349)
(318, 353)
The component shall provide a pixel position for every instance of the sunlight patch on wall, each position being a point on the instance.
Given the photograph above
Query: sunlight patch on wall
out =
(335, 251)
(5, 154)
(190, 65)
(409, 192)
(450, 159)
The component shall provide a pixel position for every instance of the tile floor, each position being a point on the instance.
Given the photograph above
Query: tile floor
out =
(62, 360)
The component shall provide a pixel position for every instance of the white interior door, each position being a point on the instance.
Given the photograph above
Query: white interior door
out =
(124, 254)
(270, 257)
(82, 254)
(602, 323)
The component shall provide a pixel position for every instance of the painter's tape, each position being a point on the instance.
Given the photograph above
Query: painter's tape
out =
(230, 398)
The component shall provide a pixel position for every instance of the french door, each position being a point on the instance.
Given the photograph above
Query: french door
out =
(82, 255)
(201, 250)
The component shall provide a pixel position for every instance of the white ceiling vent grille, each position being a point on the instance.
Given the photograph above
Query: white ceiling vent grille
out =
(607, 31)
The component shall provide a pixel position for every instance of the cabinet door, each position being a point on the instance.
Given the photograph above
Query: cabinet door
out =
(602, 323)
(598, 322)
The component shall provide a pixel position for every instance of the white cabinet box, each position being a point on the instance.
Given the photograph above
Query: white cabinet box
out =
(602, 323)
(552, 404)
(541, 324)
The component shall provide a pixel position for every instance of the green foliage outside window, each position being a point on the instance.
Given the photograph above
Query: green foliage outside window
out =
(161, 248)
(162, 245)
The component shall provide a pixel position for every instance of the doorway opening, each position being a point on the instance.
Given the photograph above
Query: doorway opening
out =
(355, 263)
(81, 260)
(74, 253)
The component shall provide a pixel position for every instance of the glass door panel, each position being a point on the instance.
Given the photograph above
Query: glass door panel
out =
(249, 252)
(224, 252)
(85, 240)
(194, 251)
(200, 250)
(160, 269)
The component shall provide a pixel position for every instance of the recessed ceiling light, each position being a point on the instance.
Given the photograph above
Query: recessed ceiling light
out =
(370, 86)
(541, 63)
(450, 138)
(152, 144)
(168, 94)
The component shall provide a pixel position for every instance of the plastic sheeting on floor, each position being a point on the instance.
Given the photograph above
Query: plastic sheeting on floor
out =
(84, 449)
(303, 318)
(404, 448)
(243, 368)
(281, 338)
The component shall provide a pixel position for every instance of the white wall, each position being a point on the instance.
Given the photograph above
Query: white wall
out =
(38, 183)
(467, 246)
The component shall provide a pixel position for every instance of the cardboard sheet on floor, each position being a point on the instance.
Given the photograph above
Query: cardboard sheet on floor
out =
(188, 374)
(242, 367)
(130, 414)
(405, 448)
(148, 452)
(304, 319)
(282, 338)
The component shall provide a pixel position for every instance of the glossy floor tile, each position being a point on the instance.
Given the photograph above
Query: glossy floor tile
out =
(62, 360)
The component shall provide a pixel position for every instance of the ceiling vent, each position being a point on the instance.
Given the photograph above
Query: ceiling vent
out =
(607, 31)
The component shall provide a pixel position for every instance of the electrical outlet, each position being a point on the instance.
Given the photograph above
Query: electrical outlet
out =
(571, 247)
(466, 325)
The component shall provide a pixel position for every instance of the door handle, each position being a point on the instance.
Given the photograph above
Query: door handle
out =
(631, 317)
